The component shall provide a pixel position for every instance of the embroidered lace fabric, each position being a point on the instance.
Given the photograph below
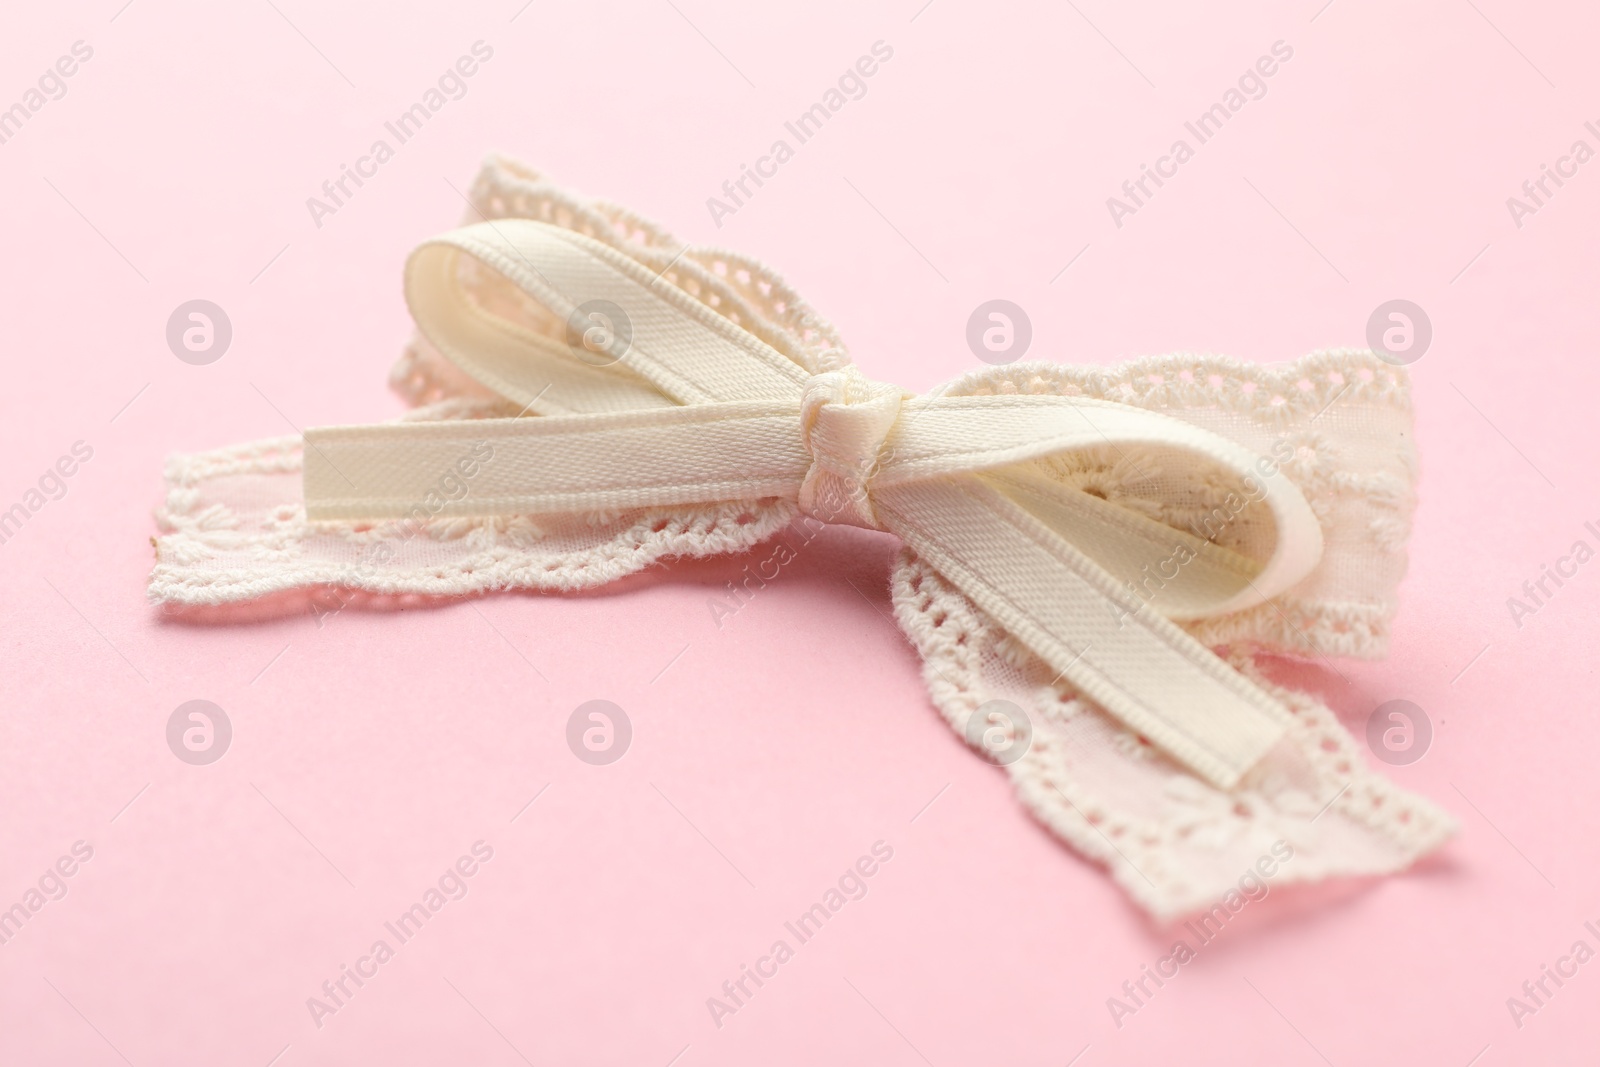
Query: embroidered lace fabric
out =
(233, 528)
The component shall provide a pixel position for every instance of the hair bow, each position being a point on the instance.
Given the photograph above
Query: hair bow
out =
(1077, 540)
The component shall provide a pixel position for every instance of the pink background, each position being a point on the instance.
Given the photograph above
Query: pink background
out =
(371, 752)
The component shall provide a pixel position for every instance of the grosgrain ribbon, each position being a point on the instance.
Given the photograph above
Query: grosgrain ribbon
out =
(689, 408)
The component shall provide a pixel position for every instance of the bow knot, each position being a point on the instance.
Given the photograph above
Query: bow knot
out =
(708, 428)
(845, 419)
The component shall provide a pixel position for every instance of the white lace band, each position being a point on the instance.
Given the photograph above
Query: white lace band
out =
(593, 393)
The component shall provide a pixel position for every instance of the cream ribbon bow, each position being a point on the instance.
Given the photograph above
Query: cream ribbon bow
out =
(654, 399)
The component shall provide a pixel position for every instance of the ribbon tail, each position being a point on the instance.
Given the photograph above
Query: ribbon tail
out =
(1137, 665)
(554, 464)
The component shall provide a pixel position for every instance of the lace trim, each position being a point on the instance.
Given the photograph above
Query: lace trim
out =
(1269, 394)
(1189, 857)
